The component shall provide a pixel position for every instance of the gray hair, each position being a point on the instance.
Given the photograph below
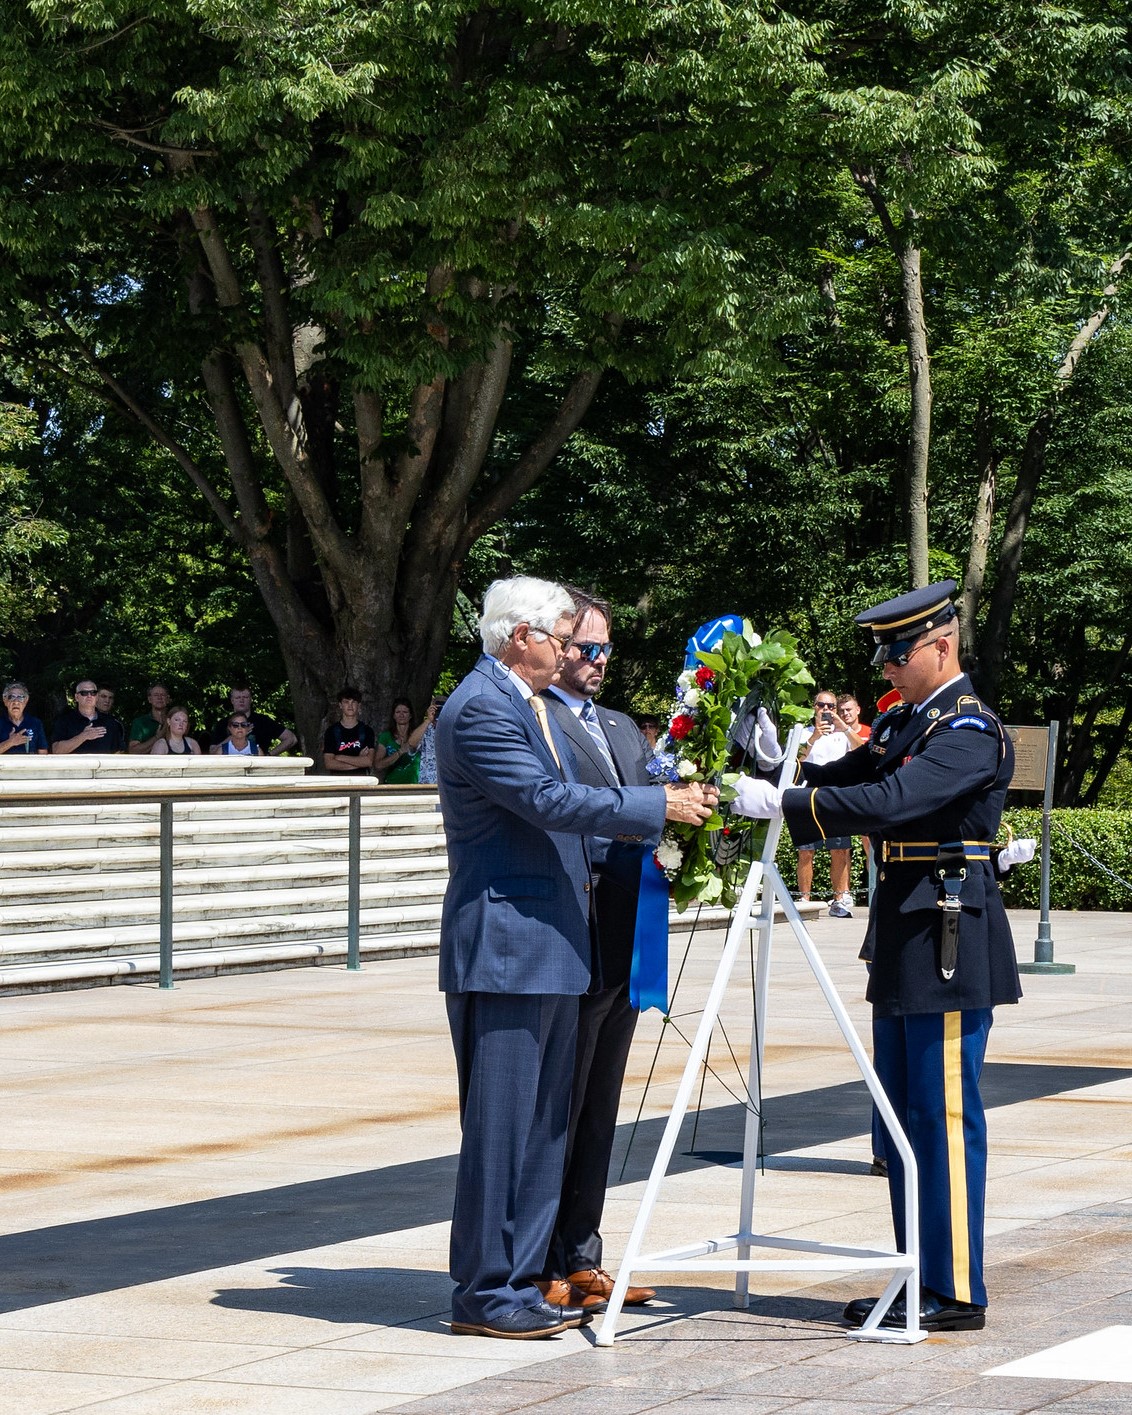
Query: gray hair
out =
(521, 600)
(11, 688)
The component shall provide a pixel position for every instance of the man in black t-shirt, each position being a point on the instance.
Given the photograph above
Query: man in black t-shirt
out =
(347, 746)
(83, 728)
(272, 736)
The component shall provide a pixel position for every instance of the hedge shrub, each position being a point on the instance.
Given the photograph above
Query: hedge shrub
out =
(1075, 882)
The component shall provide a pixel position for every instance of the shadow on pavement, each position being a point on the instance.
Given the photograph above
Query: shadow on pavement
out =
(45, 1265)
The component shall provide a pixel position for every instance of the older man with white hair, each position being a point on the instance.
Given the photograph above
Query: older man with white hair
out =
(516, 948)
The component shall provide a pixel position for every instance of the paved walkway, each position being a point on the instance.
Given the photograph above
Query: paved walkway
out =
(233, 1198)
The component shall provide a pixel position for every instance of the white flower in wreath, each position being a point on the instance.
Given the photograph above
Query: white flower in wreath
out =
(686, 768)
(669, 855)
(691, 697)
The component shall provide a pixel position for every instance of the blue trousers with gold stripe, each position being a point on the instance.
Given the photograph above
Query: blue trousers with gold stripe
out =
(929, 1065)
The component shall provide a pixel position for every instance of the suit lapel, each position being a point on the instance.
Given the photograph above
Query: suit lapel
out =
(622, 743)
(491, 670)
(580, 739)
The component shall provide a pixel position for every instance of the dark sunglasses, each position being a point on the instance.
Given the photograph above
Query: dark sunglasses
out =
(239, 724)
(902, 651)
(86, 692)
(593, 651)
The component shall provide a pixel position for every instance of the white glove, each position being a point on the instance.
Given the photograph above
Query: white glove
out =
(757, 798)
(1018, 852)
(766, 743)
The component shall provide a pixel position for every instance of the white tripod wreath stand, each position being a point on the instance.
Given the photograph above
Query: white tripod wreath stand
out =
(755, 910)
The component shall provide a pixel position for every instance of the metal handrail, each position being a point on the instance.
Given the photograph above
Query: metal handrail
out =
(165, 797)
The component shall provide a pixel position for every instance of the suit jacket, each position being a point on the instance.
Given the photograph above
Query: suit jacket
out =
(616, 864)
(516, 916)
(937, 775)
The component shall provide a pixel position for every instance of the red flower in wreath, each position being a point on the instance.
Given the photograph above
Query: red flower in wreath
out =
(680, 726)
(704, 677)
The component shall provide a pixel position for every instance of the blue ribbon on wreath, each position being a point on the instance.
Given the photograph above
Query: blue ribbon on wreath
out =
(709, 636)
(648, 974)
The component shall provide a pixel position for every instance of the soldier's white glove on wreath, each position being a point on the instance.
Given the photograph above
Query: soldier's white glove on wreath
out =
(767, 743)
(757, 798)
(1018, 852)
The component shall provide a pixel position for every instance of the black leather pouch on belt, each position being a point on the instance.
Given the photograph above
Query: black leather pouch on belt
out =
(950, 871)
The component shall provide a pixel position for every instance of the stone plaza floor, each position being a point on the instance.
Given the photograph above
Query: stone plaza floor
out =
(233, 1197)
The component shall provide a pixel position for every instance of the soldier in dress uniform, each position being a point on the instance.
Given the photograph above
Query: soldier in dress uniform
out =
(928, 788)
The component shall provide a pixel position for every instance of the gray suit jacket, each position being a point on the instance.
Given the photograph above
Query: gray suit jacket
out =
(516, 915)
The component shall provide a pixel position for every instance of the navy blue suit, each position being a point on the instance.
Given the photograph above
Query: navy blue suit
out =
(926, 777)
(516, 947)
(606, 1018)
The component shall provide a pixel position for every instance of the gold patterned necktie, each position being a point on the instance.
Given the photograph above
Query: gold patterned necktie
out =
(538, 707)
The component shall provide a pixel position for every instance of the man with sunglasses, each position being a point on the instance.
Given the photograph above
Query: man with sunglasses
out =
(928, 788)
(83, 728)
(609, 750)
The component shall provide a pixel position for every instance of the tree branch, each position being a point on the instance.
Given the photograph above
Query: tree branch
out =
(284, 426)
(155, 429)
(499, 498)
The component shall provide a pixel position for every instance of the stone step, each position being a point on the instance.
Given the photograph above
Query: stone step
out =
(54, 975)
(113, 835)
(242, 852)
(27, 817)
(140, 770)
(25, 924)
(145, 883)
(304, 924)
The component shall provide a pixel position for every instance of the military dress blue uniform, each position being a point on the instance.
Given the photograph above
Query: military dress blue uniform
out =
(929, 778)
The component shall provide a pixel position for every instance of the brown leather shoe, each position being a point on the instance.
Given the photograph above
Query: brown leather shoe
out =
(597, 1282)
(561, 1293)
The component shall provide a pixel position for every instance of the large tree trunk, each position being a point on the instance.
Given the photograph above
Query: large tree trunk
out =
(920, 412)
(905, 248)
(367, 600)
(982, 524)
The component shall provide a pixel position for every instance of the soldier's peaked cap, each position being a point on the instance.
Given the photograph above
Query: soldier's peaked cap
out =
(909, 615)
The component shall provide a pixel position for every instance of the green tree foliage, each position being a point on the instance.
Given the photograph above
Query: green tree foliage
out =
(24, 533)
(359, 270)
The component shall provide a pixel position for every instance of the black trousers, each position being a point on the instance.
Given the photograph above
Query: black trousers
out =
(606, 1023)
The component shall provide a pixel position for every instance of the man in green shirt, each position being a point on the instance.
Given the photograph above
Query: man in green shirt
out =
(143, 729)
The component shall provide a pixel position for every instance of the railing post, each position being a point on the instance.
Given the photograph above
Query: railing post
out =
(354, 889)
(166, 873)
(1043, 944)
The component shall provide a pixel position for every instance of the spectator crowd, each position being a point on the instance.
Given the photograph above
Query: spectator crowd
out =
(404, 753)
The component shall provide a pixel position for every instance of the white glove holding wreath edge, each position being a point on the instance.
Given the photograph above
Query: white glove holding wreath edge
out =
(758, 799)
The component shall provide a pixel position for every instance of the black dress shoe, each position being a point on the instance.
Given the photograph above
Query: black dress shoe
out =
(936, 1313)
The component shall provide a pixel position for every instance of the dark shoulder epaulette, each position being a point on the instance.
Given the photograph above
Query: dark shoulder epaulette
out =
(970, 711)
